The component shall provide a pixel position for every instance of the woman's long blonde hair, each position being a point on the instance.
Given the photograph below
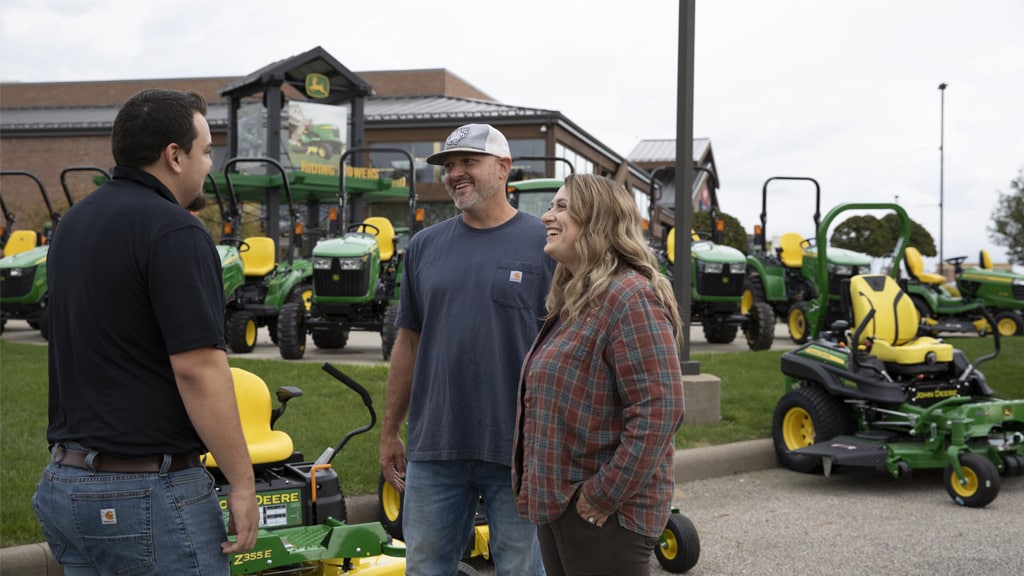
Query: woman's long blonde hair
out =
(610, 240)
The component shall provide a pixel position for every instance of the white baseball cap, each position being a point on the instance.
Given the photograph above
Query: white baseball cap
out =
(473, 138)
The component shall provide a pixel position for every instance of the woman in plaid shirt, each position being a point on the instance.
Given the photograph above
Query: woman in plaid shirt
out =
(601, 393)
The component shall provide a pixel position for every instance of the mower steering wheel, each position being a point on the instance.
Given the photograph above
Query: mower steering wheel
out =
(242, 245)
(807, 243)
(362, 227)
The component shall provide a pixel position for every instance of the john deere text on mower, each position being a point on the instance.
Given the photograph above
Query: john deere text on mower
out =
(357, 269)
(869, 392)
(787, 278)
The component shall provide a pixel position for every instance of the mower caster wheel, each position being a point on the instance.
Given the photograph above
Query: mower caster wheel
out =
(903, 471)
(980, 485)
(678, 547)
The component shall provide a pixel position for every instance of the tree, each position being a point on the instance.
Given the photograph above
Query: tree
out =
(734, 234)
(877, 237)
(1007, 227)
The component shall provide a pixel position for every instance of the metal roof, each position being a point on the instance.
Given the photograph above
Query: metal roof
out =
(664, 150)
(344, 84)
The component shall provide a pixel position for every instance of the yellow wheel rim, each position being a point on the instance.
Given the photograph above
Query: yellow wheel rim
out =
(797, 324)
(1006, 327)
(747, 302)
(797, 429)
(969, 485)
(391, 501)
(250, 333)
(669, 545)
(307, 298)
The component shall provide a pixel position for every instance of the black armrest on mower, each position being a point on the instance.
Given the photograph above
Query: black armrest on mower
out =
(284, 394)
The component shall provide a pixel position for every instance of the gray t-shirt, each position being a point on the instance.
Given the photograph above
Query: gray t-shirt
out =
(476, 297)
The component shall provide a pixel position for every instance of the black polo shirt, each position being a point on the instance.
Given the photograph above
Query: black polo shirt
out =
(132, 279)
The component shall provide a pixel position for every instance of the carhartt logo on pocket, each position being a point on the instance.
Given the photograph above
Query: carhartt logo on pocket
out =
(108, 516)
(515, 276)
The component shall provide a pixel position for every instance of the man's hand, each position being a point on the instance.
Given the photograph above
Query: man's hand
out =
(392, 461)
(243, 521)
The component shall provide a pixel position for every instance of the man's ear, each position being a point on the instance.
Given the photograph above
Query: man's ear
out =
(171, 157)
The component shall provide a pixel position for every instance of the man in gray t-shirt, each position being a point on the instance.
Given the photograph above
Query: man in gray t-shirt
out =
(472, 299)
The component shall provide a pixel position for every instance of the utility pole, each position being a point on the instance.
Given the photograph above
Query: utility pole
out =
(942, 141)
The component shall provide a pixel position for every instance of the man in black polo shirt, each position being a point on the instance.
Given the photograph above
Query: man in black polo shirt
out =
(139, 379)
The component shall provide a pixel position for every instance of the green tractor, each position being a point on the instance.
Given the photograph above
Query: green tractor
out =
(269, 282)
(231, 266)
(787, 278)
(869, 392)
(357, 271)
(23, 290)
(718, 273)
(958, 309)
(534, 195)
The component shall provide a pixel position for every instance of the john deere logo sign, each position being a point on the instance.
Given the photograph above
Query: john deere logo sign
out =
(317, 86)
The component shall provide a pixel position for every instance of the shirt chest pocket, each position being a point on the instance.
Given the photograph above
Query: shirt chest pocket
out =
(517, 284)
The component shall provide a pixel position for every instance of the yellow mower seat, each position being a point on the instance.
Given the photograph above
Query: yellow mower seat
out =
(258, 260)
(385, 234)
(893, 328)
(984, 260)
(20, 241)
(790, 250)
(915, 268)
(266, 445)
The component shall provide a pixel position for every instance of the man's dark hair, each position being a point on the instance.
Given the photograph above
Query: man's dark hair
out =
(151, 120)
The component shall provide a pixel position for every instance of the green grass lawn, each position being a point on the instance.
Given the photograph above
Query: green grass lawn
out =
(751, 385)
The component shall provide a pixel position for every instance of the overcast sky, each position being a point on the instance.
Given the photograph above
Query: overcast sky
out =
(843, 91)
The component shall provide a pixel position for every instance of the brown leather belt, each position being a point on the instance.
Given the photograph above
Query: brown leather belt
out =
(138, 465)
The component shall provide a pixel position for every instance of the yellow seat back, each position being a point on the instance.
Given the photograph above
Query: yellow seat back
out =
(670, 246)
(20, 241)
(893, 328)
(984, 260)
(259, 259)
(385, 234)
(266, 445)
(790, 251)
(915, 268)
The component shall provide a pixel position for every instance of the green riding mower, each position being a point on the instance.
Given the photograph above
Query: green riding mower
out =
(678, 548)
(303, 517)
(357, 270)
(269, 283)
(787, 277)
(956, 308)
(23, 290)
(869, 392)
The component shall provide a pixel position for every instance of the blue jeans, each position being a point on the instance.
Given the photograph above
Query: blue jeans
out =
(441, 499)
(132, 524)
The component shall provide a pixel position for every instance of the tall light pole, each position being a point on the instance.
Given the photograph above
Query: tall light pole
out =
(942, 139)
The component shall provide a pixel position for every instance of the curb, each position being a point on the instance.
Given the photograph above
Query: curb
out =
(690, 465)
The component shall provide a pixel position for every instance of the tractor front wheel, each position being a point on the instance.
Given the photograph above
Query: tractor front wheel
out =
(291, 331)
(334, 338)
(796, 320)
(760, 329)
(241, 331)
(678, 546)
(805, 416)
(388, 330)
(718, 332)
(1009, 323)
(980, 485)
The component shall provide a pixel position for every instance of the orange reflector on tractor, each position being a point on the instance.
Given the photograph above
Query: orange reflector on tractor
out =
(332, 214)
(298, 228)
(420, 215)
(720, 225)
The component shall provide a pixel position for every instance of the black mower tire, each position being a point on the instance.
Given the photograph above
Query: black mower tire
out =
(301, 294)
(805, 416)
(796, 321)
(467, 570)
(981, 482)
(760, 330)
(718, 332)
(291, 331)
(388, 330)
(390, 502)
(240, 331)
(1008, 323)
(678, 547)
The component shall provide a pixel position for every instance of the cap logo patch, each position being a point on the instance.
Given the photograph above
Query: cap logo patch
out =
(457, 136)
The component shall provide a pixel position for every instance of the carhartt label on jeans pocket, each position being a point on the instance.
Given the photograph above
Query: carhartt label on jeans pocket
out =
(108, 516)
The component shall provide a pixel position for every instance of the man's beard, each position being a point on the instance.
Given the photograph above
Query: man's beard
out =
(197, 204)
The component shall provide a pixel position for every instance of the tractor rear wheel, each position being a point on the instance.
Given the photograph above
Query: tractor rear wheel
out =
(291, 331)
(796, 320)
(760, 329)
(805, 416)
(981, 481)
(1009, 323)
(241, 331)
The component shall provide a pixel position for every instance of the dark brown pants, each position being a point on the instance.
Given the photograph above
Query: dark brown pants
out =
(572, 547)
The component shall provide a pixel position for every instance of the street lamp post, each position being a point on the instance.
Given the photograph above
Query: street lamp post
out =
(942, 138)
